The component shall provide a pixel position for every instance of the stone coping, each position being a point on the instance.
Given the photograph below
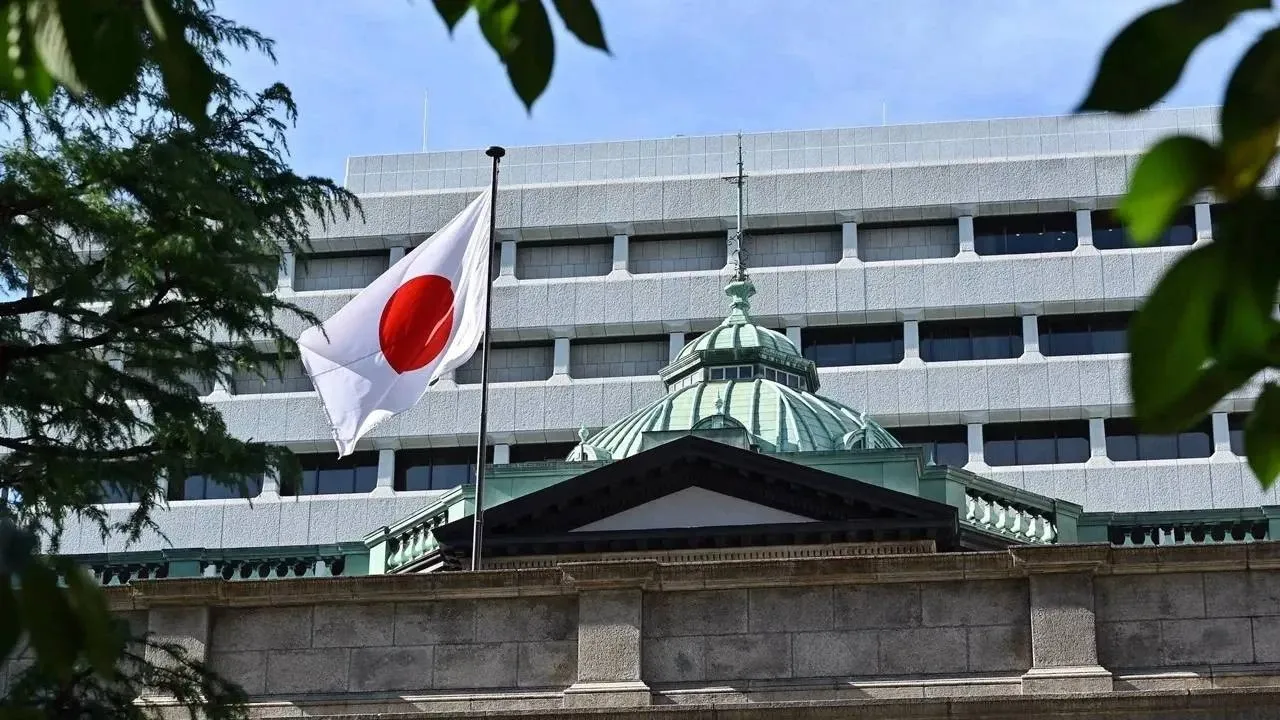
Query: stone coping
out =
(1254, 703)
(573, 577)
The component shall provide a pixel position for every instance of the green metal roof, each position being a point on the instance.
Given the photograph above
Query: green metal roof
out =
(741, 376)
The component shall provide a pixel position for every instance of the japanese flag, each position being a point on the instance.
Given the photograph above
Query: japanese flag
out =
(419, 320)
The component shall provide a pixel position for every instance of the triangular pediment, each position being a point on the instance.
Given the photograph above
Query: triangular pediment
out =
(693, 507)
(651, 499)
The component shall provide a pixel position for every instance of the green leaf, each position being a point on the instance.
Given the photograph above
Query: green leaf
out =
(497, 23)
(188, 79)
(100, 637)
(1247, 325)
(10, 629)
(532, 54)
(1145, 60)
(1262, 436)
(1171, 370)
(51, 627)
(1167, 176)
(583, 21)
(51, 43)
(1251, 114)
(105, 44)
(452, 11)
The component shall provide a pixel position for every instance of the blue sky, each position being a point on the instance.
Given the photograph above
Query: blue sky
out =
(359, 70)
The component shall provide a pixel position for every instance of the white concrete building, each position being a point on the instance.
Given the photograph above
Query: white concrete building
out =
(963, 283)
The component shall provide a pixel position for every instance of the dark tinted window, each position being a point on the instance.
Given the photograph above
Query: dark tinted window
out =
(1109, 232)
(853, 345)
(1024, 234)
(202, 487)
(113, 493)
(327, 474)
(1036, 443)
(1235, 428)
(1125, 442)
(437, 468)
(944, 444)
(1095, 334)
(540, 452)
(976, 339)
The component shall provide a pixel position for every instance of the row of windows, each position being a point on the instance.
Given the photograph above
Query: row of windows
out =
(1051, 443)
(326, 474)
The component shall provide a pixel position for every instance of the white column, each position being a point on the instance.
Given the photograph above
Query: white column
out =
(793, 334)
(270, 486)
(621, 255)
(966, 235)
(1221, 434)
(1084, 230)
(849, 243)
(1204, 223)
(396, 255)
(911, 342)
(977, 453)
(1098, 441)
(507, 259)
(675, 345)
(1030, 335)
(386, 472)
(560, 359)
(501, 454)
(220, 388)
(287, 266)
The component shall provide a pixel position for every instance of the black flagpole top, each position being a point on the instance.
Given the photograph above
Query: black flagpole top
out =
(496, 151)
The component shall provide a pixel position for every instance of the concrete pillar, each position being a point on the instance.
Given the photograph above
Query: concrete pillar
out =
(288, 264)
(621, 255)
(675, 345)
(396, 255)
(1221, 434)
(507, 259)
(966, 235)
(1084, 229)
(609, 638)
(501, 454)
(1064, 637)
(560, 359)
(386, 473)
(1030, 335)
(1097, 439)
(1204, 224)
(977, 451)
(849, 243)
(270, 486)
(911, 342)
(793, 334)
(185, 627)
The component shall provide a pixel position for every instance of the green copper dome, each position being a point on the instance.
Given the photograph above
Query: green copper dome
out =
(740, 378)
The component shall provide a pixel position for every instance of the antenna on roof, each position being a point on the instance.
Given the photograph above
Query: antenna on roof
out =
(739, 251)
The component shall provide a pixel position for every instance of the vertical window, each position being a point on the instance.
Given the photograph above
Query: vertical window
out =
(324, 474)
(843, 346)
(1109, 233)
(943, 444)
(1125, 442)
(437, 468)
(977, 339)
(1235, 430)
(1093, 334)
(1024, 234)
(1036, 443)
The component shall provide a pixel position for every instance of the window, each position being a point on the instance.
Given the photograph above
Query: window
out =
(1036, 443)
(977, 339)
(736, 372)
(1125, 442)
(1235, 430)
(113, 493)
(541, 452)
(943, 444)
(1094, 334)
(1024, 234)
(324, 474)
(843, 346)
(437, 468)
(202, 487)
(1109, 232)
(791, 380)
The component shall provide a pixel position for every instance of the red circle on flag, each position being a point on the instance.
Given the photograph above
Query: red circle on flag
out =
(416, 322)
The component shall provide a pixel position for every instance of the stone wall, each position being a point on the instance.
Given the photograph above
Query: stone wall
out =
(1085, 621)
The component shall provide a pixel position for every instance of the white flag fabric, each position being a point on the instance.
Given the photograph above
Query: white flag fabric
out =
(423, 317)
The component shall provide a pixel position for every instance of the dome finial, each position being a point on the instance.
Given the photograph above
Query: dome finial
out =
(720, 404)
(739, 290)
(583, 434)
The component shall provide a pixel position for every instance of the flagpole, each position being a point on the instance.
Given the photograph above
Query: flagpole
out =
(482, 438)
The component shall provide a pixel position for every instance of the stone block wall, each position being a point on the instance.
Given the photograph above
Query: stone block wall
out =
(677, 254)
(783, 249)
(1086, 619)
(340, 271)
(510, 363)
(292, 378)
(541, 261)
(908, 242)
(618, 358)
